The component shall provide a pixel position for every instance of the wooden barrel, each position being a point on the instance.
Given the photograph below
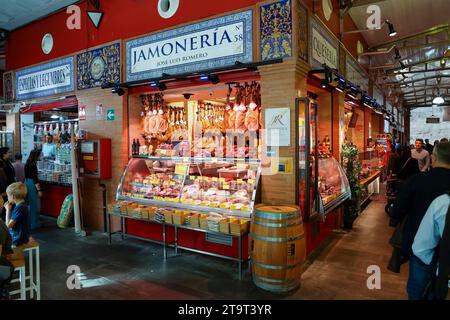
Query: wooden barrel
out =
(277, 247)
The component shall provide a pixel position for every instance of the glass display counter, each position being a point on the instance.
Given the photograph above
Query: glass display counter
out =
(333, 185)
(222, 186)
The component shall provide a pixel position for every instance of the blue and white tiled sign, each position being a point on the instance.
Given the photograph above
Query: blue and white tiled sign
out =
(46, 79)
(202, 46)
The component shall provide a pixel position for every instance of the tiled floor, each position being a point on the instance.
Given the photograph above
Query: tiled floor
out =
(132, 269)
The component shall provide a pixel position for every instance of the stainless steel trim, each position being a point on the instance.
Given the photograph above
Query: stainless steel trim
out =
(277, 281)
(276, 216)
(277, 225)
(268, 266)
(270, 239)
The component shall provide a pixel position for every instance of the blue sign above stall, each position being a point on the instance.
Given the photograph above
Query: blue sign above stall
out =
(46, 79)
(98, 66)
(206, 45)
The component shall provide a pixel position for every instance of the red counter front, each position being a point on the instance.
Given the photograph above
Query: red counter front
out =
(186, 238)
(53, 196)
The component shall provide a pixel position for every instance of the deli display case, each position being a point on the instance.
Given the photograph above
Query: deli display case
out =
(333, 186)
(208, 185)
(323, 184)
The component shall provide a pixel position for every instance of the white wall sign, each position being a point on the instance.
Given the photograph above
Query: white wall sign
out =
(278, 127)
(44, 80)
(26, 135)
(100, 113)
(205, 45)
(324, 49)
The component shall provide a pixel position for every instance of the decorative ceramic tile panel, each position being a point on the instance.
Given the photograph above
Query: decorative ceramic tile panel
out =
(8, 86)
(303, 33)
(276, 30)
(98, 66)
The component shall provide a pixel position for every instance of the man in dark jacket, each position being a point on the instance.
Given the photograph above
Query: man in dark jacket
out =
(413, 200)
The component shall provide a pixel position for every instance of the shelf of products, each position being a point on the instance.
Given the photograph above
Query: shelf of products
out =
(209, 185)
(334, 188)
(59, 170)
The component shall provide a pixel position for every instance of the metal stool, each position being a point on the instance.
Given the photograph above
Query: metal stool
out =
(18, 262)
(32, 247)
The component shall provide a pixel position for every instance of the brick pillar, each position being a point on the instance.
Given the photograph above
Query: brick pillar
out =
(281, 84)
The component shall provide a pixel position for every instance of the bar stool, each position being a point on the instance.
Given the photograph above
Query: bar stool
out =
(18, 262)
(32, 247)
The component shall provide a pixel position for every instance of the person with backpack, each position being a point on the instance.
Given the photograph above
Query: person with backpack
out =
(432, 247)
(411, 203)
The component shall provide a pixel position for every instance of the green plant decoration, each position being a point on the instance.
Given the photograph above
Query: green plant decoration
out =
(353, 168)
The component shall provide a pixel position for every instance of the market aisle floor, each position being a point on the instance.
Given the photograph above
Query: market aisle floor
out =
(133, 269)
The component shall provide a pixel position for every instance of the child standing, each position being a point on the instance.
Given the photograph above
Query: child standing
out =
(17, 218)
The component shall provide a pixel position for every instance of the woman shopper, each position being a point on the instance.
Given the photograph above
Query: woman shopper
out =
(34, 189)
(7, 166)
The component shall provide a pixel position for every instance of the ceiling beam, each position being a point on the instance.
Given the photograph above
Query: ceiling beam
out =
(419, 71)
(360, 3)
(417, 80)
(432, 31)
(418, 63)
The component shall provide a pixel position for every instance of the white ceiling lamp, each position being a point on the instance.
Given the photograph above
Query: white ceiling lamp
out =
(47, 43)
(167, 8)
(438, 100)
(327, 7)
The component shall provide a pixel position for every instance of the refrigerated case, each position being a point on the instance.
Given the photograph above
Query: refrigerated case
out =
(323, 185)
(223, 186)
(7, 140)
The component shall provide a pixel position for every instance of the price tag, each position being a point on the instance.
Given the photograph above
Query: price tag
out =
(145, 181)
(245, 208)
(154, 182)
(240, 181)
(233, 207)
(251, 181)
(222, 179)
(215, 179)
(241, 166)
(137, 181)
(181, 168)
(166, 183)
(226, 187)
(172, 183)
(213, 160)
(162, 151)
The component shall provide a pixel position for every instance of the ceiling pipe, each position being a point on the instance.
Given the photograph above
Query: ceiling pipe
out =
(431, 31)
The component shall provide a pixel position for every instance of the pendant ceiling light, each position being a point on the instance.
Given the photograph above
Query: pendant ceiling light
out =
(438, 100)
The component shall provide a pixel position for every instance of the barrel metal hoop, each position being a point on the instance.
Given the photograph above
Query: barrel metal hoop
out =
(277, 225)
(267, 266)
(276, 216)
(270, 239)
(276, 288)
(276, 280)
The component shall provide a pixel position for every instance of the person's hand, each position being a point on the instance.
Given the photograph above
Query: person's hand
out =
(8, 206)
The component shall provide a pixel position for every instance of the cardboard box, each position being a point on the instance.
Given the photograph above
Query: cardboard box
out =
(239, 227)
(224, 226)
(195, 222)
(168, 217)
(203, 219)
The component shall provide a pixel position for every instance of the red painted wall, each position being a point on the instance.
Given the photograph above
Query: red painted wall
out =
(123, 19)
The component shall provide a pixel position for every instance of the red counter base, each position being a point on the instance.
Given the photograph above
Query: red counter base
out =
(318, 231)
(186, 238)
(52, 198)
